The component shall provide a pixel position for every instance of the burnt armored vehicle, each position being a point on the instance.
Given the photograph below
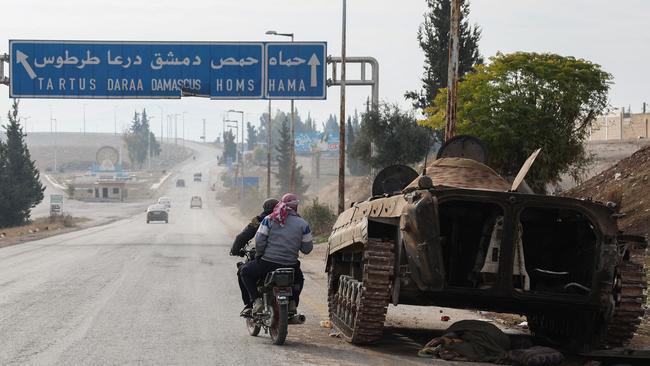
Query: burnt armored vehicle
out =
(461, 236)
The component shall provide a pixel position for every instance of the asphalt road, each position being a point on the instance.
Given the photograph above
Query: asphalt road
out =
(131, 293)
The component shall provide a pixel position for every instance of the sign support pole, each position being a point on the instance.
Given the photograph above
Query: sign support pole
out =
(293, 145)
(342, 120)
(269, 133)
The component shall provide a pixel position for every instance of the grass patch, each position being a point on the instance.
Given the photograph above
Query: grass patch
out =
(41, 224)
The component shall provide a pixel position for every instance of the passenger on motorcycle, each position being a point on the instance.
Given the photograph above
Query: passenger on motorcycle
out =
(280, 237)
(247, 234)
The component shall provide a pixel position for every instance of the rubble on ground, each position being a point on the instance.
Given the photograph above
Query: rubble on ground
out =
(628, 181)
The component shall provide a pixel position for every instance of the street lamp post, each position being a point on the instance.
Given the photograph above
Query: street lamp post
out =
(176, 128)
(242, 147)
(27, 118)
(184, 113)
(84, 127)
(149, 145)
(269, 133)
(161, 123)
(54, 120)
(292, 182)
(115, 120)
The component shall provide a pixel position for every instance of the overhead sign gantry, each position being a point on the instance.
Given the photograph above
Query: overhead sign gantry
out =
(122, 70)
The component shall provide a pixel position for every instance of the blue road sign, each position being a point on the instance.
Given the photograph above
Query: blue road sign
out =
(296, 70)
(219, 70)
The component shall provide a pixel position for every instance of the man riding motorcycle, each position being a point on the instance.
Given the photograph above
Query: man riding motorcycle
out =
(247, 234)
(280, 237)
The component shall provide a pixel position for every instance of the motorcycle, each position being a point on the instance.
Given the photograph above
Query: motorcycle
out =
(279, 310)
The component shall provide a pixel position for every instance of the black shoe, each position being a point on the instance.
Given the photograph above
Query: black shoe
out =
(247, 312)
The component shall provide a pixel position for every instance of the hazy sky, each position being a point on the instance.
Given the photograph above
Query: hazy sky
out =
(612, 34)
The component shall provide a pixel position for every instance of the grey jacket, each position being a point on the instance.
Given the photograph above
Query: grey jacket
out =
(281, 244)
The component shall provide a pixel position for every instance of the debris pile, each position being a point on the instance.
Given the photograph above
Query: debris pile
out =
(628, 182)
(479, 341)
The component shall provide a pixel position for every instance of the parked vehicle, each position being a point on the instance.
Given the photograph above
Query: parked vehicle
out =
(462, 236)
(157, 212)
(279, 309)
(165, 201)
(196, 201)
(180, 183)
(198, 177)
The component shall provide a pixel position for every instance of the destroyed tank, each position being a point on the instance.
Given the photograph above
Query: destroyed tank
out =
(462, 236)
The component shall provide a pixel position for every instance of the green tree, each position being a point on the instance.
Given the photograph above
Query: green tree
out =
(140, 140)
(229, 146)
(355, 165)
(524, 101)
(331, 124)
(397, 137)
(283, 157)
(251, 133)
(433, 37)
(69, 190)
(21, 178)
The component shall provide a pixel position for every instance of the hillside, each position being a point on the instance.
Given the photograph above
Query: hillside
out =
(627, 180)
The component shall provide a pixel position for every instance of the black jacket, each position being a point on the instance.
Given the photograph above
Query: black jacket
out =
(246, 234)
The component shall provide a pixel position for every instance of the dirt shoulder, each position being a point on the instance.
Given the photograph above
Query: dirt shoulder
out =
(40, 228)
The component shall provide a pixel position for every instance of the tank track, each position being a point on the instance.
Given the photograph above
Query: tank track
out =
(628, 294)
(358, 308)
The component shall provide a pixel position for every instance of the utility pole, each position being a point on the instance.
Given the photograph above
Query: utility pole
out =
(54, 132)
(242, 148)
(269, 133)
(292, 180)
(452, 70)
(342, 120)
(184, 128)
(204, 137)
(621, 121)
(149, 144)
(161, 124)
(26, 119)
(169, 127)
(176, 128)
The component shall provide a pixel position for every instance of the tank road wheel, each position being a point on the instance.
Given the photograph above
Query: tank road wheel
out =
(627, 295)
(358, 308)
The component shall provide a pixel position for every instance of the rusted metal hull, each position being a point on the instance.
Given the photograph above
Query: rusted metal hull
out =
(560, 261)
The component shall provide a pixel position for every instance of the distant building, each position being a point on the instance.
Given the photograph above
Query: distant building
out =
(620, 126)
(101, 191)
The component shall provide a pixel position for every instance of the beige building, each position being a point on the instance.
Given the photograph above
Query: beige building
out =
(101, 191)
(621, 126)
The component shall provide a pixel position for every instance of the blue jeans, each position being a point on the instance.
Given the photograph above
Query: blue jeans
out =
(253, 271)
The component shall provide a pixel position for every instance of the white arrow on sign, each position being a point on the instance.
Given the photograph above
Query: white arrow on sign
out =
(21, 58)
(313, 62)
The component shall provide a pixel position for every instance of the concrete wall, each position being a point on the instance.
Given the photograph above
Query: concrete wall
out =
(621, 126)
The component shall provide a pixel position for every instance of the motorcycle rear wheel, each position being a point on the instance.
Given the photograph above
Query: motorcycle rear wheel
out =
(253, 328)
(278, 329)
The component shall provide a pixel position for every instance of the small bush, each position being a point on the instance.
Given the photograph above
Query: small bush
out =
(259, 155)
(68, 221)
(320, 217)
(69, 190)
(251, 203)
